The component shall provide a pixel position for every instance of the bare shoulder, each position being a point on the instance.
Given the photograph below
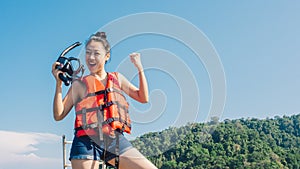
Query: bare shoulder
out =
(78, 89)
(121, 78)
(120, 75)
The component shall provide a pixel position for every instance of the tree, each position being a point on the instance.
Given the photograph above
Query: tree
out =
(241, 143)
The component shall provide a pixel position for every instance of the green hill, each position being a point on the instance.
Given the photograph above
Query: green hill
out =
(242, 143)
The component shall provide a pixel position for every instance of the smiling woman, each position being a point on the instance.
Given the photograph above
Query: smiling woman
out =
(101, 110)
(96, 53)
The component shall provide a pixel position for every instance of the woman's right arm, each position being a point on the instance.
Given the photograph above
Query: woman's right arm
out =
(61, 107)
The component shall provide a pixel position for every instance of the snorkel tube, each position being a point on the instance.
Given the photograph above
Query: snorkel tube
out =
(66, 66)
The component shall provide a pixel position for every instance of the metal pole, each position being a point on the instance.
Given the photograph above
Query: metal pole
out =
(64, 151)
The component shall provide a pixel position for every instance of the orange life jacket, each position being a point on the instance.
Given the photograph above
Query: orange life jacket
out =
(104, 107)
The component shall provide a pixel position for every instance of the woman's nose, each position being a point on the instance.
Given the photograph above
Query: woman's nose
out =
(91, 55)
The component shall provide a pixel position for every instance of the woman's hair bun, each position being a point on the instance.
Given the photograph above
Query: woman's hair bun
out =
(101, 35)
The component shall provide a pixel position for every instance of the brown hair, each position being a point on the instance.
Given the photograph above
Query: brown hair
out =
(99, 37)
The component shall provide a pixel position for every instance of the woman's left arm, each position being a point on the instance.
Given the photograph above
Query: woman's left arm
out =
(139, 94)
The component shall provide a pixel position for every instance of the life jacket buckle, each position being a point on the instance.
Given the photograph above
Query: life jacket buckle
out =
(107, 90)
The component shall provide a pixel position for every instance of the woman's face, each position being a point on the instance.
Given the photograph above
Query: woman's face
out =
(95, 56)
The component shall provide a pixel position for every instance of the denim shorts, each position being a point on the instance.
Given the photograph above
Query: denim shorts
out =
(91, 148)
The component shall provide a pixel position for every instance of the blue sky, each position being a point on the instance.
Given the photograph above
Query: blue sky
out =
(257, 44)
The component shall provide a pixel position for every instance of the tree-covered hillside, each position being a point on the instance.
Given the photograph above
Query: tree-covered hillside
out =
(242, 143)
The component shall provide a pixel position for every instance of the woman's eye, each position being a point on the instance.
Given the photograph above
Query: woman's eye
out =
(87, 52)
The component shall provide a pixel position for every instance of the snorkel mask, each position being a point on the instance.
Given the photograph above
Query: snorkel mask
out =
(71, 67)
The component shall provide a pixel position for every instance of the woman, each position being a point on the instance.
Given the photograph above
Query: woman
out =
(86, 151)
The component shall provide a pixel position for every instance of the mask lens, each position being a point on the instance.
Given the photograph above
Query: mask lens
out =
(75, 64)
(62, 60)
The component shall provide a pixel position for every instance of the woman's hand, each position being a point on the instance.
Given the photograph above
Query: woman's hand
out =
(61, 107)
(136, 60)
(141, 93)
(56, 72)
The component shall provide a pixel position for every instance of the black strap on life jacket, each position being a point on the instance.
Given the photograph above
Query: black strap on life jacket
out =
(84, 122)
(117, 151)
(100, 120)
(105, 91)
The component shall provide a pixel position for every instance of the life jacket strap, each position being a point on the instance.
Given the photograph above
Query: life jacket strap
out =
(84, 122)
(89, 110)
(117, 149)
(101, 107)
(112, 89)
(116, 103)
(112, 119)
(108, 121)
(100, 120)
(96, 93)
(105, 91)
(87, 126)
